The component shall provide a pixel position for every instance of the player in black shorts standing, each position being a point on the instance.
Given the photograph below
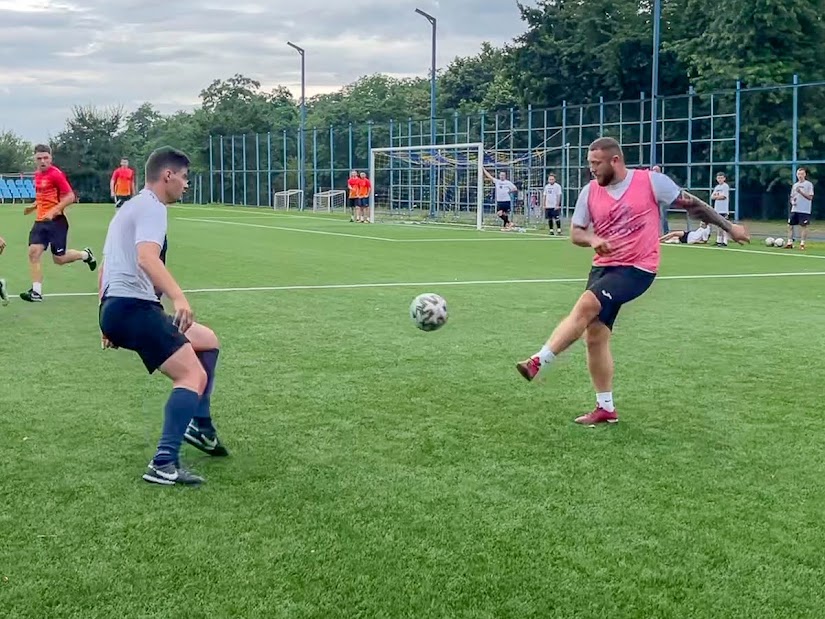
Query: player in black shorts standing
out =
(4, 293)
(504, 197)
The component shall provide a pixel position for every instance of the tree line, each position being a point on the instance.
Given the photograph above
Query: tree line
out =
(570, 51)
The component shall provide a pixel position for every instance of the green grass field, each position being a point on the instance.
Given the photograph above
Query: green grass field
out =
(380, 471)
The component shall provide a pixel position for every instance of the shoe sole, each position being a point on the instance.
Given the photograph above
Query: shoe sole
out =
(593, 425)
(522, 369)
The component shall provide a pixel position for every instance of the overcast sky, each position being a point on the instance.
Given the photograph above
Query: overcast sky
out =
(58, 53)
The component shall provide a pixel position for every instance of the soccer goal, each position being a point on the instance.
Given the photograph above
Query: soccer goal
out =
(329, 201)
(441, 183)
(288, 200)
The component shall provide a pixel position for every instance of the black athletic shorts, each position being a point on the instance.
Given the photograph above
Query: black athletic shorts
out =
(551, 213)
(615, 286)
(504, 206)
(121, 200)
(799, 219)
(141, 326)
(353, 202)
(54, 233)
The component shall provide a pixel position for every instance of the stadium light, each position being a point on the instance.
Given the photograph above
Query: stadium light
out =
(654, 87)
(434, 23)
(302, 141)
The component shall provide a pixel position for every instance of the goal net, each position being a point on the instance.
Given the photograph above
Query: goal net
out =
(446, 183)
(441, 183)
(329, 201)
(288, 200)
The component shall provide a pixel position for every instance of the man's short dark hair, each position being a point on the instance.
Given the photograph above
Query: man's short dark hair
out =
(609, 145)
(42, 148)
(165, 158)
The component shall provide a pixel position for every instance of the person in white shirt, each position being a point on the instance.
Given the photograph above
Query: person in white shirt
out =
(802, 196)
(504, 197)
(721, 204)
(551, 202)
(700, 236)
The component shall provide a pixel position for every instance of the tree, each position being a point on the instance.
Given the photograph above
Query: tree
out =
(478, 82)
(89, 148)
(15, 153)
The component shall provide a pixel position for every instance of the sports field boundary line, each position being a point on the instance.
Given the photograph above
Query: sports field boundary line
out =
(471, 282)
(511, 237)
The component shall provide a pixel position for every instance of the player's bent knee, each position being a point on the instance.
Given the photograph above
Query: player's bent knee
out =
(202, 337)
(597, 334)
(588, 306)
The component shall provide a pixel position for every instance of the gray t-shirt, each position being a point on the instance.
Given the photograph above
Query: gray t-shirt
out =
(665, 190)
(799, 203)
(141, 219)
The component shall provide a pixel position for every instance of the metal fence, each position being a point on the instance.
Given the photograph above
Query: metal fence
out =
(757, 136)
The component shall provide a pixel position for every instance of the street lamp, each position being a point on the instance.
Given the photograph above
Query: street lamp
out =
(302, 130)
(433, 23)
(654, 88)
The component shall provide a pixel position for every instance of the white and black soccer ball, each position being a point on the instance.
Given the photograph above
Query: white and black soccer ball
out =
(769, 241)
(429, 311)
(780, 242)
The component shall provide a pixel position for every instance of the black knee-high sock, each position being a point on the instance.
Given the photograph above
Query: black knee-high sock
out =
(505, 219)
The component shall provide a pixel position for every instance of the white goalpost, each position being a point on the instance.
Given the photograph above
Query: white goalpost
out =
(330, 200)
(439, 183)
(288, 200)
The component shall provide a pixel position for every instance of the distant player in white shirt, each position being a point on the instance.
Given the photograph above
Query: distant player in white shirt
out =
(551, 202)
(802, 196)
(721, 204)
(504, 197)
(700, 236)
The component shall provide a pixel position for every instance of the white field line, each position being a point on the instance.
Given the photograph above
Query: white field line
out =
(505, 236)
(473, 282)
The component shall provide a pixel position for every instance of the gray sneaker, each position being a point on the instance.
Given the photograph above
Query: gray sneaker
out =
(170, 475)
(4, 292)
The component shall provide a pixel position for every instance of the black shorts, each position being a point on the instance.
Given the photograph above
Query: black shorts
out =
(141, 326)
(551, 213)
(54, 233)
(799, 219)
(683, 238)
(504, 206)
(353, 202)
(615, 286)
(121, 200)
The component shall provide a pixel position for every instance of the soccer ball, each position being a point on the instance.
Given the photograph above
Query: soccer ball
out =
(428, 311)
(780, 242)
(769, 241)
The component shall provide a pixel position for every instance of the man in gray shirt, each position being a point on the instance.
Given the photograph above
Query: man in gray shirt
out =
(802, 196)
(132, 278)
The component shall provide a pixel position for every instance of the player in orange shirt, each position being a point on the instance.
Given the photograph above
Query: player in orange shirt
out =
(364, 198)
(53, 195)
(122, 185)
(353, 189)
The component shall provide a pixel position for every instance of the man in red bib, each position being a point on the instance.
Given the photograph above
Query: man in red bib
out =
(618, 215)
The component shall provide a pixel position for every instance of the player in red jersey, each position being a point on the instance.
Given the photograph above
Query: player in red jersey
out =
(122, 185)
(364, 198)
(353, 189)
(53, 195)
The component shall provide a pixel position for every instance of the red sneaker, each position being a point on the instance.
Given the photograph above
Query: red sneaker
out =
(529, 367)
(599, 415)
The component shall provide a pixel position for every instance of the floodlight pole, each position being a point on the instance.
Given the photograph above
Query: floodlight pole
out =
(654, 87)
(302, 129)
(434, 23)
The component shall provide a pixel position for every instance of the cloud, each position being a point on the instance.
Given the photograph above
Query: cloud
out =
(56, 54)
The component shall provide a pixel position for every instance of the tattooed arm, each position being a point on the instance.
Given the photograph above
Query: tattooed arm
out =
(697, 209)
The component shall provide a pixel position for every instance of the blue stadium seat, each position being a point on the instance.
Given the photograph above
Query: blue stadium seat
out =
(29, 187)
(15, 192)
(5, 193)
(24, 191)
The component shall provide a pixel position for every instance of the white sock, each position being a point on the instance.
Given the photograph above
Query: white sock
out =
(605, 401)
(37, 287)
(85, 255)
(545, 355)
